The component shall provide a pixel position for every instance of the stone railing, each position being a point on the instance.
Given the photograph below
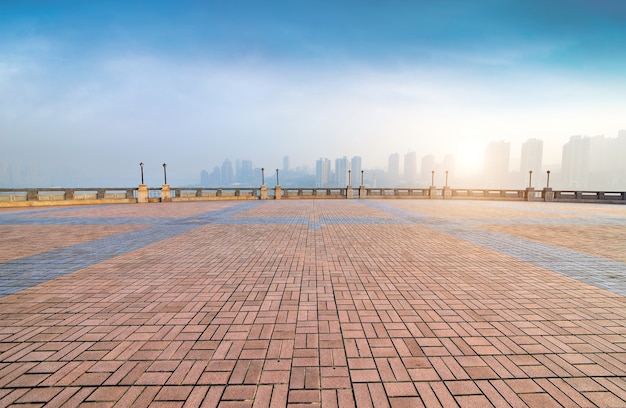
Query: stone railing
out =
(16, 197)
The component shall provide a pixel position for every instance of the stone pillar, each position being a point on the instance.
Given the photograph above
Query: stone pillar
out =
(548, 194)
(69, 194)
(166, 193)
(278, 193)
(447, 192)
(32, 195)
(142, 193)
(530, 194)
(263, 192)
(432, 192)
(349, 192)
(362, 193)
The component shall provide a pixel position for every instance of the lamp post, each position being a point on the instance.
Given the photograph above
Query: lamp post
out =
(141, 165)
(446, 178)
(432, 180)
(362, 177)
(262, 176)
(165, 172)
(530, 178)
(349, 177)
(277, 178)
(548, 181)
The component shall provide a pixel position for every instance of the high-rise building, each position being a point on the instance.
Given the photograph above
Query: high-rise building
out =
(394, 167)
(286, 164)
(410, 167)
(322, 172)
(227, 173)
(595, 163)
(247, 172)
(356, 167)
(204, 178)
(532, 158)
(575, 162)
(215, 178)
(497, 162)
(342, 165)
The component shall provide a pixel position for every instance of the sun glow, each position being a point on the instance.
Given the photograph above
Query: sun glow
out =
(469, 159)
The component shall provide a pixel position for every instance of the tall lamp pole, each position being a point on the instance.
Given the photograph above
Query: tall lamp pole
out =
(548, 182)
(277, 178)
(432, 181)
(165, 172)
(530, 178)
(141, 165)
(262, 176)
(446, 178)
(349, 177)
(362, 177)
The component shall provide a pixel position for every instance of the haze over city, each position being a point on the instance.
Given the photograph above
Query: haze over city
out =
(88, 90)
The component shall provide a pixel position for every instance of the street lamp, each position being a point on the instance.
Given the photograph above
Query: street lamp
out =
(277, 178)
(165, 172)
(530, 178)
(141, 165)
(362, 177)
(548, 182)
(262, 176)
(349, 177)
(432, 181)
(446, 178)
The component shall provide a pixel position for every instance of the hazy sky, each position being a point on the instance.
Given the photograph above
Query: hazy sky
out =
(95, 87)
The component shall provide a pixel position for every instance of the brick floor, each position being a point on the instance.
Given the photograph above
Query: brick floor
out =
(318, 303)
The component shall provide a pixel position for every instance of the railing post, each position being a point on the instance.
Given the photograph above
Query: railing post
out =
(166, 194)
(100, 193)
(69, 194)
(142, 193)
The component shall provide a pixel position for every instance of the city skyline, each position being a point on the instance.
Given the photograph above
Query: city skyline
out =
(89, 89)
(586, 162)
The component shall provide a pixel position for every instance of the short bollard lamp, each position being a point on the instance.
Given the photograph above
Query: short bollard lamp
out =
(141, 165)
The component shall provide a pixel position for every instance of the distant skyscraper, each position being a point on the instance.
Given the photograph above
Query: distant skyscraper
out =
(204, 178)
(497, 162)
(575, 162)
(394, 167)
(410, 167)
(322, 172)
(215, 178)
(342, 165)
(286, 163)
(356, 167)
(247, 172)
(228, 175)
(532, 158)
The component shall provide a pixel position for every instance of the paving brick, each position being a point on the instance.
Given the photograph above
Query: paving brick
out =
(334, 302)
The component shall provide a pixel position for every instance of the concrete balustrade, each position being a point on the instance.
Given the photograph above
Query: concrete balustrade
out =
(16, 197)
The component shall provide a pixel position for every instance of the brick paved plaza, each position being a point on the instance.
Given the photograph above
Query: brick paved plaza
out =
(401, 303)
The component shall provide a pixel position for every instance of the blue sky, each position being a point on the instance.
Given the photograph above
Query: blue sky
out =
(94, 87)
